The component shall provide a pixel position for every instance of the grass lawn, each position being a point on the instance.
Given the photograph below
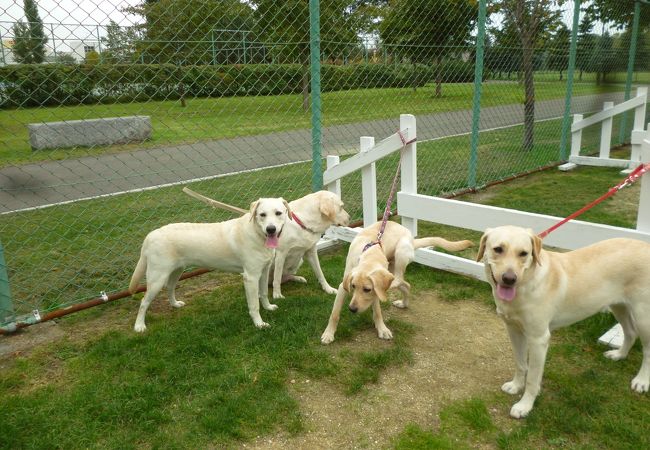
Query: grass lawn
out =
(204, 119)
(204, 377)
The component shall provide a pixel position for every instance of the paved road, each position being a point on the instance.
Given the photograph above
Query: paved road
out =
(44, 183)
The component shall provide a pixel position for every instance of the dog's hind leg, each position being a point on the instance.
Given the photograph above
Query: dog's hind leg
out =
(171, 288)
(153, 287)
(404, 254)
(641, 314)
(622, 314)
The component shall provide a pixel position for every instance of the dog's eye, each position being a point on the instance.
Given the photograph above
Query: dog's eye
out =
(498, 249)
(353, 286)
(523, 254)
(366, 289)
(263, 215)
(278, 213)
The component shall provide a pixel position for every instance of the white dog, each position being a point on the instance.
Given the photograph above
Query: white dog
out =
(370, 270)
(311, 216)
(243, 245)
(537, 291)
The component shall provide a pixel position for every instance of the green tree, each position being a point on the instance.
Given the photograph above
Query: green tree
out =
(533, 20)
(426, 31)
(503, 54)
(284, 28)
(119, 43)
(559, 49)
(65, 58)
(621, 12)
(29, 37)
(585, 45)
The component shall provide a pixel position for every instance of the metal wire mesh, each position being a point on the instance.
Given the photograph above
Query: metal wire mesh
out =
(225, 86)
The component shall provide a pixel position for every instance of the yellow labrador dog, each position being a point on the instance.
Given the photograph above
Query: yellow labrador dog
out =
(311, 216)
(243, 245)
(537, 291)
(371, 272)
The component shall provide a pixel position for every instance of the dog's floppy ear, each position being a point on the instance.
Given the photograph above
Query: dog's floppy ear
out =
(381, 281)
(286, 205)
(253, 209)
(328, 208)
(347, 280)
(481, 246)
(537, 247)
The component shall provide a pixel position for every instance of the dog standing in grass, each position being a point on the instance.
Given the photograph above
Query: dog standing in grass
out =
(243, 245)
(370, 270)
(537, 291)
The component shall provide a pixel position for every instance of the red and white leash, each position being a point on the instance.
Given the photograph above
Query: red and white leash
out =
(631, 178)
(393, 189)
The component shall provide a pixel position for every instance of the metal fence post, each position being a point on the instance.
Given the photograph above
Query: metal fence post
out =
(7, 316)
(573, 49)
(630, 67)
(316, 132)
(476, 102)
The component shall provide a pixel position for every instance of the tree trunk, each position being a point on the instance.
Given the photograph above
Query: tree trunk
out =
(580, 75)
(560, 74)
(529, 93)
(438, 77)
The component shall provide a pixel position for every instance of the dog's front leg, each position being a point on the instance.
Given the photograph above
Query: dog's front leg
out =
(537, 348)
(520, 352)
(328, 335)
(278, 270)
(382, 329)
(264, 288)
(252, 287)
(312, 258)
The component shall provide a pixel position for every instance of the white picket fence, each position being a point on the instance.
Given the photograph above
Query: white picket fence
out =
(412, 206)
(605, 118)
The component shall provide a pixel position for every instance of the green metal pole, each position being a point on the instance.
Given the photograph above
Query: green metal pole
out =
(573, 49)
(630, 68)
(316, 132)
(7, 315)
(476, 102)
(214, 50)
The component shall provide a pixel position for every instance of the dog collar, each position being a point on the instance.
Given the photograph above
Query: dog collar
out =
(371, 244)
(296, 219)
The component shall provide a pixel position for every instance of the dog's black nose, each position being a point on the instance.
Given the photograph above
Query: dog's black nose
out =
(353, 308)
(509, 278)
(270, 229)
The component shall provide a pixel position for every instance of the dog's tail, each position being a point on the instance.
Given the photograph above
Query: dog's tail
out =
(138, 273)
(452, 246)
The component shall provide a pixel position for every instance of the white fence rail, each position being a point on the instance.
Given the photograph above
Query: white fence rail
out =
(605, 118)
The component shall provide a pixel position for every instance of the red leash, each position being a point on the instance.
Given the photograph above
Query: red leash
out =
(631, 178)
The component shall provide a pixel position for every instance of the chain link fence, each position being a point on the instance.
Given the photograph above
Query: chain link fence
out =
(224, 96)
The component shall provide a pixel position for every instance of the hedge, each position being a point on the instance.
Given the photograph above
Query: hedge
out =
(26, 85)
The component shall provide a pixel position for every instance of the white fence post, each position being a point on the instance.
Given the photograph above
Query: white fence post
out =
(333, 160)
(576, 141)
(637, 129)
(643, 217)
(409, 174)
(368, 184)
(606, 132)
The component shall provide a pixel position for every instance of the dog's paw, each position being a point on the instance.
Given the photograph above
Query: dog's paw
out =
(511, 388)
(327, 337)
(384, 333)
(178, 304)
(277, 295)
(271, 307)
(615, 355)
(520, 410)
(140, 328)
(298, 279)
(640, 385)
(262, 325)
(330, 290)
(400, 304)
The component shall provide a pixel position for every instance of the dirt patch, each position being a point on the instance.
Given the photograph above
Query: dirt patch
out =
(460, 350)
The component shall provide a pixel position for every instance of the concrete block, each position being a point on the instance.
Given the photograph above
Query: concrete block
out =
(89, 133)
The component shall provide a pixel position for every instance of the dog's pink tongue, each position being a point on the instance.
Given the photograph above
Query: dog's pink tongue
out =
(506, 293)
(271, 241)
